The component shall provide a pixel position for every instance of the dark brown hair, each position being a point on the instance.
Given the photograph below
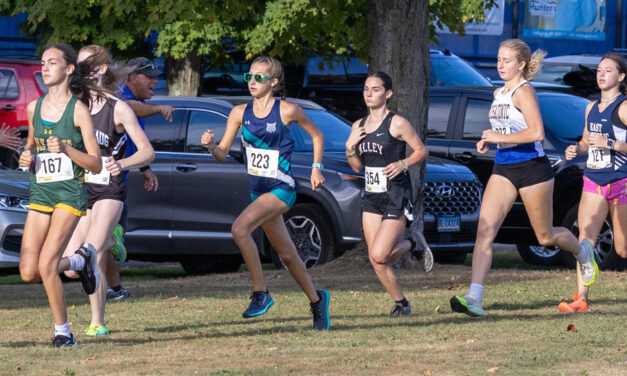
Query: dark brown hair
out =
(115, 75)
(619, 60)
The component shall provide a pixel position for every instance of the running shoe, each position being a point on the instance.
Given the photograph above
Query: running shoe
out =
(89, 274)
(401, 310)
(320, 311)
(118, 295)
(424, 257)
(260, 303)
(64, 341)
(94, 330)
(588, 267)
(578, 305)
(118, 250)
(468, 305)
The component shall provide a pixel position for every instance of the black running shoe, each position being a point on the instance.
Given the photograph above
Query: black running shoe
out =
(63, 341)
(401, 310)
(422, 254)
(320, 311)
(260, 303)
(89, 274)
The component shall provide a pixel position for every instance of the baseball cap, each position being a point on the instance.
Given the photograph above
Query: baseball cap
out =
(141, 65)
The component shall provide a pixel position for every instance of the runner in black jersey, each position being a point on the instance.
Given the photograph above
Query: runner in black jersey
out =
(62, 142)
(377, 145)
(605, 176)
(113, 122)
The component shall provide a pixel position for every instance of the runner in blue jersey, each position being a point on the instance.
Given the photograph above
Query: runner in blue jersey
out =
(264, 123)
(520, 168)
(605, 176)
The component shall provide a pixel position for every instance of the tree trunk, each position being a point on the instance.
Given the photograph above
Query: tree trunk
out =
(398, 44)
(183, 76)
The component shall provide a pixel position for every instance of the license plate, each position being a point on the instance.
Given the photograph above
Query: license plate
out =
(448, 223)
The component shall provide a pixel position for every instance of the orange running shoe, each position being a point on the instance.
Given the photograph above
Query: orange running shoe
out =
(579, 305)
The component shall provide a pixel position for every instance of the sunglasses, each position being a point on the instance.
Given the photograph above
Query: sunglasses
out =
(259, 78)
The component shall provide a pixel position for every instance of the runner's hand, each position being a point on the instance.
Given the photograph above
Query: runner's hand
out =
(393, 170)
(357, 134)
(151, 183)
(597, 141)
(482, 147)
(25, 158)
(208, 140)
(316, 178)
(490, 136)
(571, 152)
(113, 166)
(55, 145)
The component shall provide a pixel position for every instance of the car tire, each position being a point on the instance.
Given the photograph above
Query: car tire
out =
(201, 266)
(311, 233)
(605, 253)
(540, 255)
(451, 259)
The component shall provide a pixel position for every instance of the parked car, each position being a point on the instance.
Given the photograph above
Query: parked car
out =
(457, 117)
(13, 208)
(189, 218)
(20, 83)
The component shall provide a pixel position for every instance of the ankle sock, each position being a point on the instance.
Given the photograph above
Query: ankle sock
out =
(77, 262)
(583, 254)
(476, 291)
(62, 330)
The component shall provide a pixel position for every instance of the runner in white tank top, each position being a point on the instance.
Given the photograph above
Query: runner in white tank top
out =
(520, 168)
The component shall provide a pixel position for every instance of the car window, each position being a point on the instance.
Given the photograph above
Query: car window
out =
(40, 83)
(160, 132)
(199, 122)
(226, 79)
(350, 71)
(8, 84)
(335, 132)
(453, 71)
(476, 119)
(439, 113)
(553, 73)
(563, 115)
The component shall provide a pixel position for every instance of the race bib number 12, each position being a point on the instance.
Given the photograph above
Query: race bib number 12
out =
(101, 178)
(262, 162)
(599, 158)
(52, 167)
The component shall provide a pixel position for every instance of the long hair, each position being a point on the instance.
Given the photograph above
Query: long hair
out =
(533, 62)
(621, 66)
(79, 84)
(116, 74)
(276, 71)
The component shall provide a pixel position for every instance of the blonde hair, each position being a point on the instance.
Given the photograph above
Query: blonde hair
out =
(276, 71)
(533, 62)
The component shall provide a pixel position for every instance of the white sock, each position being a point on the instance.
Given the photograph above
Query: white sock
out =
(77, 262)
(583, 254)
(62, 330)
(476, 291)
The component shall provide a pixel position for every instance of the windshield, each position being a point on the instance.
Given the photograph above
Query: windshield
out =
(563, 115)
(335, 132)
(448, 70)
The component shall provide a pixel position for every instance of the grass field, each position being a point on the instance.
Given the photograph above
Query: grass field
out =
(193, 325)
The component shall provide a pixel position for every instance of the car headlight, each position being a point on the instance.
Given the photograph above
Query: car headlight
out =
(13, 202)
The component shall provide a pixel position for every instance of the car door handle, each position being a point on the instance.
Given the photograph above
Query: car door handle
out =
(464, 157)
(186, 167)
(8, 107)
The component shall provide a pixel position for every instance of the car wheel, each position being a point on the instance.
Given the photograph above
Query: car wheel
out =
(201, 266)
(604, 251)
(450, 259)
(311, 233)
(540, 255)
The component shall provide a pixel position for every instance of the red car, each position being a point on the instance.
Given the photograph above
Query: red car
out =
(20, 83)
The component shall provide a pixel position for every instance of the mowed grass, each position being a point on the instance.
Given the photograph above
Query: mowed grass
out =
(193, 325)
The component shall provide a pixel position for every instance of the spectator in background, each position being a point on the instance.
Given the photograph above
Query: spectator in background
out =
(9, 137)
(139, 87)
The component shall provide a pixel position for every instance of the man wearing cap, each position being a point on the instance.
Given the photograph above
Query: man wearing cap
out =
(140, 85)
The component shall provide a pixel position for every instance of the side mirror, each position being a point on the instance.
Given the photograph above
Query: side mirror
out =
(237, 151)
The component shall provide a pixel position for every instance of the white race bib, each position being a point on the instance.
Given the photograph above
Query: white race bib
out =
(52, 167)
(503, 129)
(262, 162)
(599, 158)
(376, 182)
(101, 178)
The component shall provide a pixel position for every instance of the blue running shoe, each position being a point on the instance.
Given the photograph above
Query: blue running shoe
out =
(63, 341)
(260, 303)
(468, 305)
(320, 311)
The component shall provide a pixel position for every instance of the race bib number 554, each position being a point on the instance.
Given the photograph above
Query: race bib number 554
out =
(52, 167)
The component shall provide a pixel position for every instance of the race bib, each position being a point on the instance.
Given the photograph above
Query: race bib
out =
(262, 162)
(599, 158)
(376, 182)
(52, 167)
(503, 129)
(101, 178)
